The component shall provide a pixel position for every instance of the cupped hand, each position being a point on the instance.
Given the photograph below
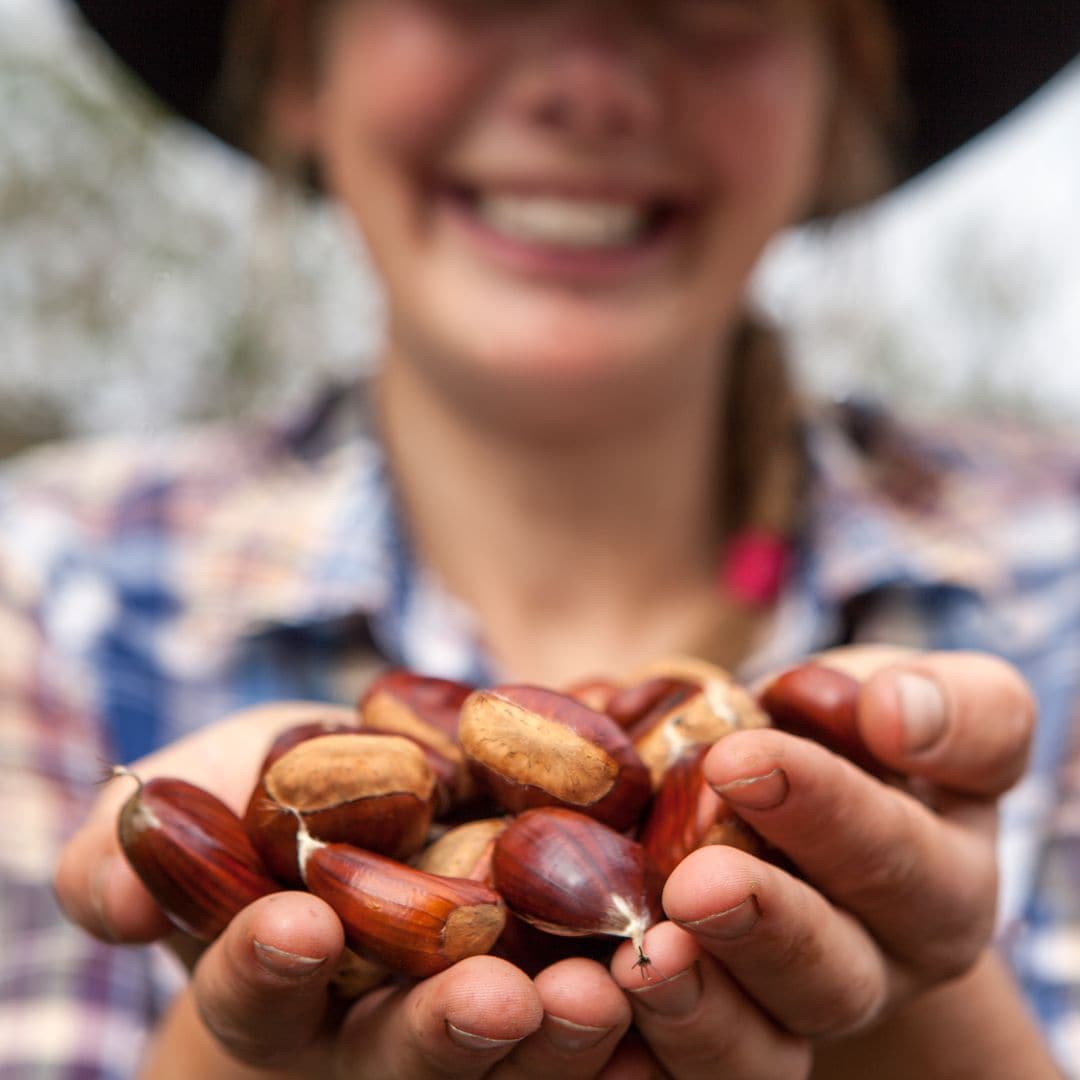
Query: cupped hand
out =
(259, 998)
(895, 887)
(894, 894)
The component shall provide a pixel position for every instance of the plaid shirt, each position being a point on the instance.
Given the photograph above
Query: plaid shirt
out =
(148, 589)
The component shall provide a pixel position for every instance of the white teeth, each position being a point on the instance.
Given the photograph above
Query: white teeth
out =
(563, 222)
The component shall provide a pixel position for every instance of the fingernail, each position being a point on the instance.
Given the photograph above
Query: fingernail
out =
(922, 707)
(467, 1040)
(99, 894)
(676, 996)
(571, 1037)
(734, 923)
(765, 792)
(286, 964)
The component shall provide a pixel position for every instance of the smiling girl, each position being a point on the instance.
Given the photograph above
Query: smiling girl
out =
(579, 453)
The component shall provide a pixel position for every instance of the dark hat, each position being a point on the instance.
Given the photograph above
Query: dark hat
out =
(966, 62)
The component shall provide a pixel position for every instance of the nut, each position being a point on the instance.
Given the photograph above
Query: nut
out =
(533, 747)
(593, 693)
(687, 814)
(687, 718)
(374, 791)
(820, 703)
(192, 854)
(464, 851)
(570, 875)
(410, 921)
(354, 976)
(299, 733)
(437, 701)
(633, 703)
(425, 710)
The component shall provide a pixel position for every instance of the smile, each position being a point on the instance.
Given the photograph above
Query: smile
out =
(594, 233)
(564, 222)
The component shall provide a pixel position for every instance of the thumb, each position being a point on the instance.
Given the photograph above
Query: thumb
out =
(261, 988)
(961, 720)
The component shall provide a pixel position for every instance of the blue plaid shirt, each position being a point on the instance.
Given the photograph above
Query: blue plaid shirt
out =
(149, 588)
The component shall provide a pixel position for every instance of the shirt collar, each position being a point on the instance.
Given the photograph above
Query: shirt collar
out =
(310, 535)
(862, 536)
(316, 535)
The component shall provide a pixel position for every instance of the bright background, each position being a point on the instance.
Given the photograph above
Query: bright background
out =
(148, 275)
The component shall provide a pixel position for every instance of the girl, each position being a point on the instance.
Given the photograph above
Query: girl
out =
(579, 453)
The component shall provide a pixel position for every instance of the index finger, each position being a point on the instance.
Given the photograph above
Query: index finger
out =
(94, 883)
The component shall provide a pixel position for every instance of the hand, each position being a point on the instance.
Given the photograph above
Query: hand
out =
(758, 965)
(268, 1006)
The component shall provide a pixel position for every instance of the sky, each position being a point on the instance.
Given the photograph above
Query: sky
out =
(962, 289)
(971, 273)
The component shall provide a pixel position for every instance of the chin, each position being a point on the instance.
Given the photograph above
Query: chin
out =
(570, 337)
(560, 386)
(567, 358)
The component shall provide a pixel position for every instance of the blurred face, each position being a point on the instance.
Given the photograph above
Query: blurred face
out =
(568, 194)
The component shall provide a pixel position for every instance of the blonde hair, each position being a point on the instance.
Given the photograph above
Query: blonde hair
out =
(866, 123)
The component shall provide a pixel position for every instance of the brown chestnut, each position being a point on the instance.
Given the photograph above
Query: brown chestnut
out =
(426, 710)
(374, 791)
(395, 915)
(533, 747)
(687, 814)
(571, 875)
(192, 854)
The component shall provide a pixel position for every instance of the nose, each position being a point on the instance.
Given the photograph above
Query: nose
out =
(590, 84)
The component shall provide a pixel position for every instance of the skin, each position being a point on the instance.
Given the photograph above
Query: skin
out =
(599, 395)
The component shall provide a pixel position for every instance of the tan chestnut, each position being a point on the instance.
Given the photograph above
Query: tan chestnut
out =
(820, 703)
(686, 814)
(464, 851)
(691, 669)
(374, 791)
(412, 922)
(534, 747)
(686, 719)
(570, 875)
(437, 701)
(425, 710)
(299, 733)
(355, 976)
(192, 854)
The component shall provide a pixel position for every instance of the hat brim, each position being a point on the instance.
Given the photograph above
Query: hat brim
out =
(967, 63)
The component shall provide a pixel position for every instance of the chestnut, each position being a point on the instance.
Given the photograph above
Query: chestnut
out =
(375, 791)
(533, 747)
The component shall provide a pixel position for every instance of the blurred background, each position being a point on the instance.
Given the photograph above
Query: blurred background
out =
(150, 276)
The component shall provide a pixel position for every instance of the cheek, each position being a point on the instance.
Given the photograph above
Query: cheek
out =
(401, 77)
(762, 124)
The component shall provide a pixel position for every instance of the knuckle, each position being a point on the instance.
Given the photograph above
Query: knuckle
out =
(237, 1040)
(843, 1005)
(962, 936)
(843, 997)
(791, 1058)
(892, 865)
(728, 1049)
